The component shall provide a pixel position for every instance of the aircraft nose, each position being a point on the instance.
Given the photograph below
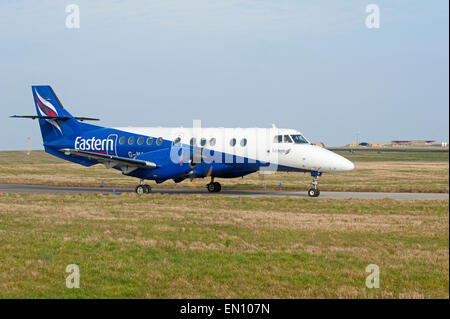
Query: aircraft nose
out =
(328, 161)
(340, 163)
(346, 165)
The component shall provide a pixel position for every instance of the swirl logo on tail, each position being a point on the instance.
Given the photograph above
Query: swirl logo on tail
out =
(47, 109)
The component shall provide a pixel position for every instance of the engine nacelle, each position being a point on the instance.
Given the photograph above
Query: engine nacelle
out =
(171, 163)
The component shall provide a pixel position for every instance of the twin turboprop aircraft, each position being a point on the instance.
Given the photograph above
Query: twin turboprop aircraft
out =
(159, 154)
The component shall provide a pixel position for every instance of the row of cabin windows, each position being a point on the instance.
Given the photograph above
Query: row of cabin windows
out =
(297, 139)
(140, 140)
(212, 141)
(149, 141)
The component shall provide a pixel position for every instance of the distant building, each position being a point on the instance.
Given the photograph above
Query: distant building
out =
(377, 145)
(399, 143)
(412, 143)
(364, 144)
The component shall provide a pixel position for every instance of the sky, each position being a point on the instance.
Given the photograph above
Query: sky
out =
(313, 66)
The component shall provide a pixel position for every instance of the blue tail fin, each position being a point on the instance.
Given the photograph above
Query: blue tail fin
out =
(48, 105)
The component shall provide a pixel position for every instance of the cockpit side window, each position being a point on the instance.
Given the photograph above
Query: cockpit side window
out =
(278, 139)
(287, 139)
(299, 139)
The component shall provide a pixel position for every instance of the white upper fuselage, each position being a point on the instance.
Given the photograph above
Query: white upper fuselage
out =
(285, 148)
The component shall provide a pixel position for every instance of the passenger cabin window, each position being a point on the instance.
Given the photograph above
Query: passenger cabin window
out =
(140, 140)
(150, 141)
(177, 141)
(233, 142)
(299, 139)
(212, 141)
(203, 142)
(159, 141)
(131, 140)
(287, 139)
(122, 140)
(243, 142)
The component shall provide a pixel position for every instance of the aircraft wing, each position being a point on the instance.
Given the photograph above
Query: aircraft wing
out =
(127, 165)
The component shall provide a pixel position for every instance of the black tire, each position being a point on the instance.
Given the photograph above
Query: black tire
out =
(140, 189)
(147, 189)
(217, 187)
(311, 192)
(211, 187)
(317, 193)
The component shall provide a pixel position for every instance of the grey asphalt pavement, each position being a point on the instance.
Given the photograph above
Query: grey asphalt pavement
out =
(42, 189)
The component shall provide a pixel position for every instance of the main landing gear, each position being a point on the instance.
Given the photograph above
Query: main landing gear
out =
(314, 191)
(213, 187)
(143, 188)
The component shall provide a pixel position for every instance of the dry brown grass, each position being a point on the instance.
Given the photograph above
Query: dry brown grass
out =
(194, 246)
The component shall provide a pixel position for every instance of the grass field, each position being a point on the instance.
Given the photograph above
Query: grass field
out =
(385, 172)
(174, 246)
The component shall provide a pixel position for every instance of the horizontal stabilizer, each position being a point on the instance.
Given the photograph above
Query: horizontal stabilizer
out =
(86, 118)
(33, 117)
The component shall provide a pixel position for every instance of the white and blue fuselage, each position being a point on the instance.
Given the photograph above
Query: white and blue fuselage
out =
(159, 154)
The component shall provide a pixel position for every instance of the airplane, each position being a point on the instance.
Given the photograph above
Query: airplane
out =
(160, 154)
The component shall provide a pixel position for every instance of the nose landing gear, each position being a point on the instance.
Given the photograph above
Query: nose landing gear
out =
(314, 191)
(143, 188)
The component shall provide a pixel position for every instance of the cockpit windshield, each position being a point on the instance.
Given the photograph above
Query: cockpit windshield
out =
(287, 139)
(299, 139)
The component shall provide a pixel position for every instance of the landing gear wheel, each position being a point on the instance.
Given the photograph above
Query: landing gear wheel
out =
(214, 187)
(313, 192)
(210, 187)
(147, 189)
(140, 189)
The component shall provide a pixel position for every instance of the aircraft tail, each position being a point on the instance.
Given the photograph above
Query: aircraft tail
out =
(47, 103)
(54, 120)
